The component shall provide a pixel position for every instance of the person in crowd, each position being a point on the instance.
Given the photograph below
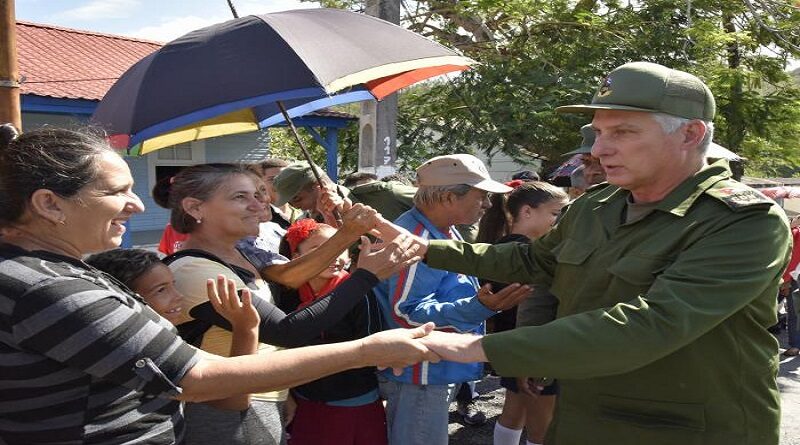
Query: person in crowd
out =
(577, 183)
(283, 215)
(525, 175)
(344, 408)
(297, 186)
(271, 265)
(401, 178)
(665, 277)
(358, 178)
(88, 361)
(453, 189)
(218, 205)
(787, 288)
(171, 241)
(592, 171)
(527, 213)
(143, 272)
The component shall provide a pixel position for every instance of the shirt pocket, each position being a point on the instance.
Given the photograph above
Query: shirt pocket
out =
(572, 253)
(653, 414)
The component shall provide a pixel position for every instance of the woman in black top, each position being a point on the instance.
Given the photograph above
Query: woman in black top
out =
(528, 212)
(218, 205)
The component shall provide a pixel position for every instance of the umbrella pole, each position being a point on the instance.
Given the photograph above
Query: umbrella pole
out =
(306, 155)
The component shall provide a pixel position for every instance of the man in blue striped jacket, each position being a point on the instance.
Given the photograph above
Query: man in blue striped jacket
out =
(453, 189)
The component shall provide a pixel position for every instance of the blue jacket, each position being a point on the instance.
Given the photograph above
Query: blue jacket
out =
(421, 294)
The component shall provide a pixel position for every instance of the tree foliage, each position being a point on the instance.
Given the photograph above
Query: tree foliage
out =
(535, 55)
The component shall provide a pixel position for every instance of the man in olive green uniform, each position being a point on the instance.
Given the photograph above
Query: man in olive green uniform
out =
(297, 186)
(666, 279)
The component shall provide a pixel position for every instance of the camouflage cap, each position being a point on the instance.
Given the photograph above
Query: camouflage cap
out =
(292, 179)
(644, 86)
(586, 144)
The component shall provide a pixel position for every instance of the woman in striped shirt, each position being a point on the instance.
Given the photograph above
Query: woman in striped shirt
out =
(82, 359)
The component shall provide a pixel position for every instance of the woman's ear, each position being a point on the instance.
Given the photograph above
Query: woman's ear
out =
(192, 207)
(47, 204)
(525, 211)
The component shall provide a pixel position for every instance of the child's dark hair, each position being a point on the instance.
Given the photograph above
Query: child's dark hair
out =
(126, 265)
(496, 222)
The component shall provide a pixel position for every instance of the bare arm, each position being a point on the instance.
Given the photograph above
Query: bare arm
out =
(216, 377)
(357, 221)
(461, 348)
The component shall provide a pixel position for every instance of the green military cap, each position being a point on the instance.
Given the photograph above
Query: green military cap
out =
(586, 144)
(644, 86)
(292, 179)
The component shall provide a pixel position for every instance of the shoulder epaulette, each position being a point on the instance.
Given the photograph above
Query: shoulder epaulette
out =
(738, 196)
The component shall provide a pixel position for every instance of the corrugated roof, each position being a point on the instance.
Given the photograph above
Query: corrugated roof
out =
(74, 64)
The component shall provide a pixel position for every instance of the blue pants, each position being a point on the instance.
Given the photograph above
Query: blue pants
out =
(416, 414)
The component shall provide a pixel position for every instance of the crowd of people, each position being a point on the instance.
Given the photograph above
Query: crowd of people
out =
(632, 307)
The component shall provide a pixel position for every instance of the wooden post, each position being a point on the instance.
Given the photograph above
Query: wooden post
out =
(9, 74)
(378, 123)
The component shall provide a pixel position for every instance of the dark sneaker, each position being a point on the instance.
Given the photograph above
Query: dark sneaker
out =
(470, 415)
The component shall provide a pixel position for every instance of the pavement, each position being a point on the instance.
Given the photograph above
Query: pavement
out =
(491, 403)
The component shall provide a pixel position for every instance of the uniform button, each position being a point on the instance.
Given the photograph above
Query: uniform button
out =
(140, 363)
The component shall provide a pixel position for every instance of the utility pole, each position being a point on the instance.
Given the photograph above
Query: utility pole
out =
(9, 74)
(377, 151)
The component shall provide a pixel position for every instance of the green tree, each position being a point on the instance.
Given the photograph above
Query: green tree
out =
(535, 55)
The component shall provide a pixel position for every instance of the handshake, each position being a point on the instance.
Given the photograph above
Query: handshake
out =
(399, 348)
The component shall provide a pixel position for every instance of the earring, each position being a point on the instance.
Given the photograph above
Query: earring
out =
(199, 221)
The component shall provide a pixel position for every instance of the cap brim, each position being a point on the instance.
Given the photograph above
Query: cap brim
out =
(493, 186)
(280, 201)
(284, 198)
(579, 151)
(589, 109)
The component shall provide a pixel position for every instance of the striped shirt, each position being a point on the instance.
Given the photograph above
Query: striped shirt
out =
(82, 360)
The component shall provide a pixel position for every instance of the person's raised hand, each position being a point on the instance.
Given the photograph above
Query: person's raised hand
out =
(329, 202)
(398, 348)
(507, 298)
(225, 300)
(358, 220)
(387, 259)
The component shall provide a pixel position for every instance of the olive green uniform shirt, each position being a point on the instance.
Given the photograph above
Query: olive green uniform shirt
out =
(390, 199)
(661, 332)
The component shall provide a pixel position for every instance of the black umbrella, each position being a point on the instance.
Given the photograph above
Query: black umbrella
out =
(232, 77)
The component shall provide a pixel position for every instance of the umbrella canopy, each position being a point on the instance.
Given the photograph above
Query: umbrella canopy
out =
(227, 78)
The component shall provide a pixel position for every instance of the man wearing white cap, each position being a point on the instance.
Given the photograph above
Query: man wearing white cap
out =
(453, 189)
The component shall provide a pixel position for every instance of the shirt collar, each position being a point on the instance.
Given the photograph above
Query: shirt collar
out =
(681, 199)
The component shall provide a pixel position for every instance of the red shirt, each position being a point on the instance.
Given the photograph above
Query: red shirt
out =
(171, 241)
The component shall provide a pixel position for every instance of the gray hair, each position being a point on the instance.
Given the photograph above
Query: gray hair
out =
(428, 195)
(670, 124)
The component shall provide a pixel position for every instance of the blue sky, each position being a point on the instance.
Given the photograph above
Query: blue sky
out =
(159, 20)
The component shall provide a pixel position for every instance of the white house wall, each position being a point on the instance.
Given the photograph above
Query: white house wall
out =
(503, 167)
